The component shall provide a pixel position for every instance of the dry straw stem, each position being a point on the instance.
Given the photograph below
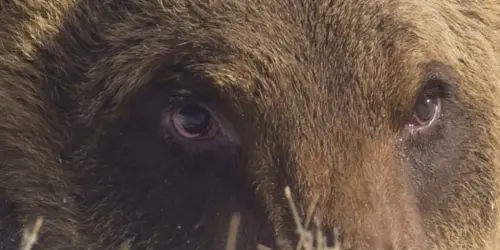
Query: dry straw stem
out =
(30, 236)
(124, 246)
(308, 240)
(234, 224)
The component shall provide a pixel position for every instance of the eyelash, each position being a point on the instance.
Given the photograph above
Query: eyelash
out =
(436, 88)
(178, 98)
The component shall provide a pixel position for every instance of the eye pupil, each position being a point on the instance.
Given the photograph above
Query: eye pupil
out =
(193, 119)
(426, 109)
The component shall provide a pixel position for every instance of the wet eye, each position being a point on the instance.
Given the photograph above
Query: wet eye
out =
(426, 111)
(194, 122)
(437, 88)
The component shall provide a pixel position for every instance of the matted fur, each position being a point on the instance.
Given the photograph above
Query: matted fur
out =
(318, 91)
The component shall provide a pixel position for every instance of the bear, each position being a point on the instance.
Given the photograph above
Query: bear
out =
(153, 123)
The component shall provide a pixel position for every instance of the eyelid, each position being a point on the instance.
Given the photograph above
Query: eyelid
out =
(435, 87)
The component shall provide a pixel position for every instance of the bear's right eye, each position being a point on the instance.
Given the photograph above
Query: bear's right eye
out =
(194, 122)
(428, 106)
(426, 111)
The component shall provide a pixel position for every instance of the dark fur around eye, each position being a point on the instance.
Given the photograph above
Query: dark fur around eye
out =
(430, 100)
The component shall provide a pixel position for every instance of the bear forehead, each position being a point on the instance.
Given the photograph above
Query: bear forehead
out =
(311, 54)
(314, 47)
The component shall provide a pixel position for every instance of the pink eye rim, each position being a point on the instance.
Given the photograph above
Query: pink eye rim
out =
(220, 131)
(211, 132)
(417, 123)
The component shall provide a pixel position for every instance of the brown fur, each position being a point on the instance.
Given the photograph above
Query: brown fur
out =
(317, 90)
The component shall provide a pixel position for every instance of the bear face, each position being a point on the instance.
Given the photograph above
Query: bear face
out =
(153, 122)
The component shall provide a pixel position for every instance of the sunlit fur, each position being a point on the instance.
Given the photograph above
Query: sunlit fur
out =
(318, 91)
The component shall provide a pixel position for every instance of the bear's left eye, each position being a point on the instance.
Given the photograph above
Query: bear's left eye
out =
(194, 122)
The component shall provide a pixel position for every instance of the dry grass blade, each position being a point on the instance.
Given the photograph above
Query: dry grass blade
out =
(124, 246)
(307, 239)
(30, 237)
(234, 224)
